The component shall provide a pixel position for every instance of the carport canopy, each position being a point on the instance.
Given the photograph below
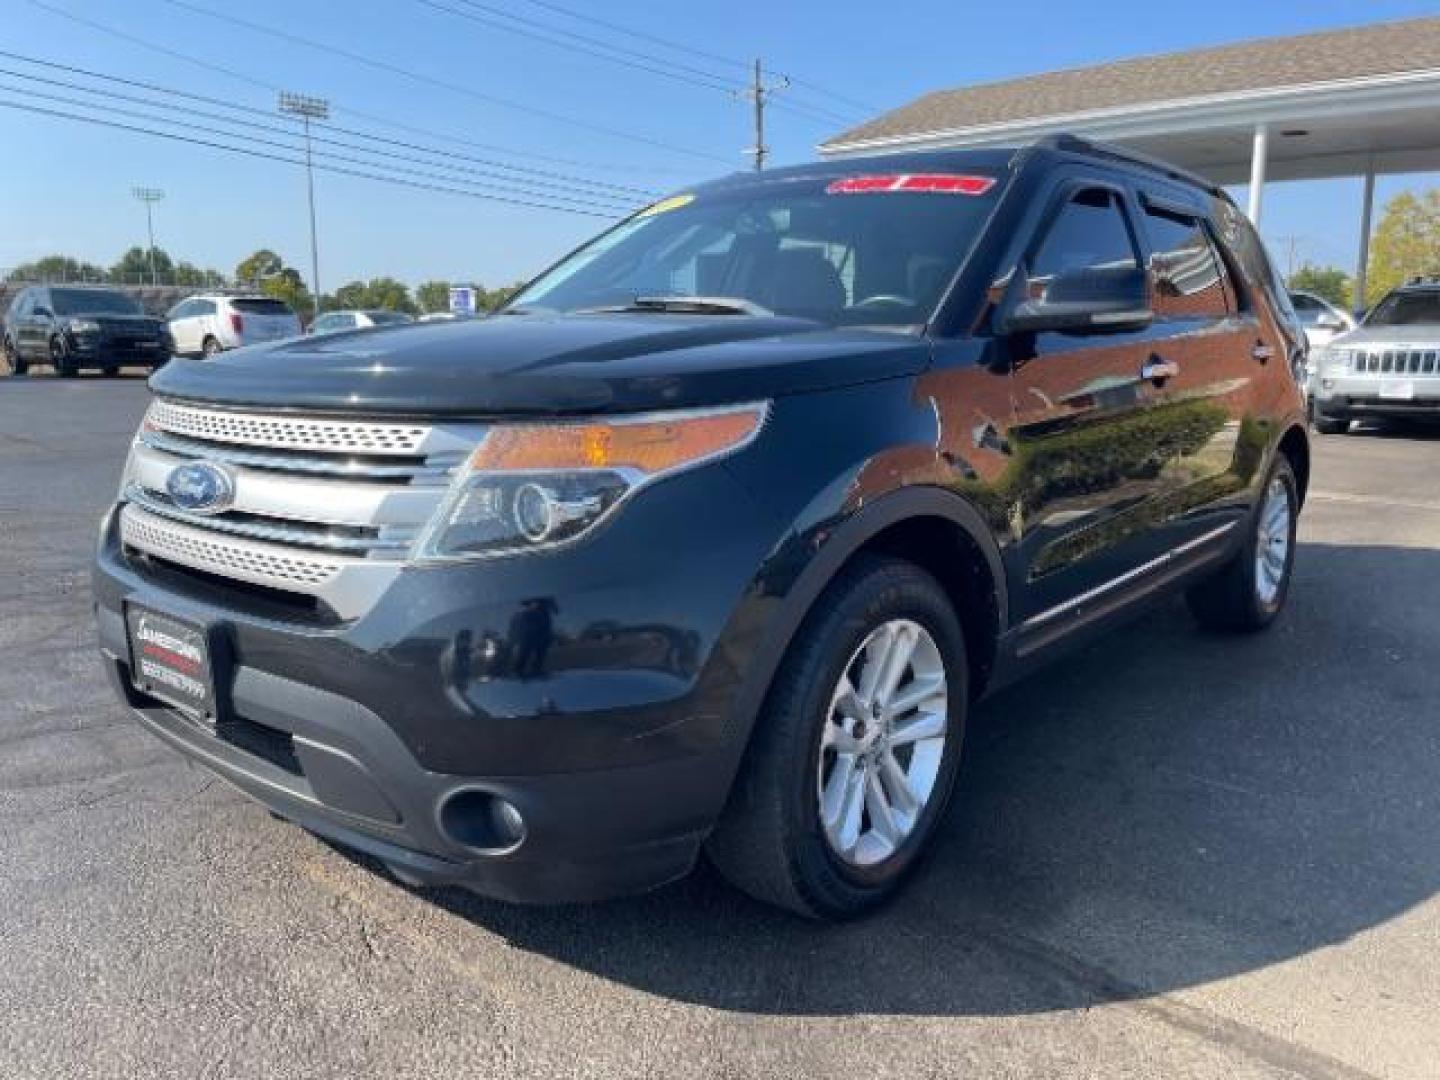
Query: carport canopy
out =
(1356, 102)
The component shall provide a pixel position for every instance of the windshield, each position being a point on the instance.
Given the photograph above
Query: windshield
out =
(860, 251)
(1407, 309)
(93, 302)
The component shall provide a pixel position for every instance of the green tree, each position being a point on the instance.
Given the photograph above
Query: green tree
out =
(262, 264)
(1329, 282)
(383, 292)
(57, 268)
(490, 299)
(135, 267)
(287, 285)
(186, 273)
(433, 296)
(1405, 243)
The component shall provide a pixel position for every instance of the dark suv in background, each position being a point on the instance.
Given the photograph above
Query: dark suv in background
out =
(713, 536)
(71, 327)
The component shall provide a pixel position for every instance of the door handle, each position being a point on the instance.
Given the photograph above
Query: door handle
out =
(1262, 352)
(1158, 370)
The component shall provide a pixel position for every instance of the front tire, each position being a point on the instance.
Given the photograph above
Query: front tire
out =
(1249, 591)
(854, 755)
(12, 359)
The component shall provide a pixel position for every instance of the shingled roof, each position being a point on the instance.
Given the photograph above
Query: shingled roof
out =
(1364, 52)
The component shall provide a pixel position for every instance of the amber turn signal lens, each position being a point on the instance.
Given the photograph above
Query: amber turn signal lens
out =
(653, 445)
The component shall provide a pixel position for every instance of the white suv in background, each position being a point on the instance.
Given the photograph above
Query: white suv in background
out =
(209, 324)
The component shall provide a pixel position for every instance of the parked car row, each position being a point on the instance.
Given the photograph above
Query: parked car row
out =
(74, 327)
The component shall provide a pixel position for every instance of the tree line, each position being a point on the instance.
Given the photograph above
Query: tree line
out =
(263, 270)
(1405, 244)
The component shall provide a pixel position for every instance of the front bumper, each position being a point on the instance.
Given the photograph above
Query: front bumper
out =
(617, 745)
(1341, 394)
(103, 350)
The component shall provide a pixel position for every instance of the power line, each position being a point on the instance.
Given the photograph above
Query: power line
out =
(246, 151)
(416, 76)
(604, 203)
(677, 46)
(541, 179)
(487, 15)
(212, 67)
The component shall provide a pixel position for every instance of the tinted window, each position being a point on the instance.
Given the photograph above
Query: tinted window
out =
(1407, 309)
(1186, 280)
(1088, 234)
(261, 306)
(388, 318)
(92, 302)
(853, 254)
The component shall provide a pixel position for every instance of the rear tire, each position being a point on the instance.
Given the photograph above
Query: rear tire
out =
(1249, 591)
(1331, 425)
(210, 349)
(61, 360)
(822, 741)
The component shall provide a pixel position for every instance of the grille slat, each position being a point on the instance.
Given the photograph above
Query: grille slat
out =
(289, 433)
(318, 506)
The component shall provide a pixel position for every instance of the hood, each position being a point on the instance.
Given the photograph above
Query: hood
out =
(1420, 335)
(538, 364)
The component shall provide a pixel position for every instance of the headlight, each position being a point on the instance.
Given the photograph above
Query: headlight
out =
(532, 486)
(83, 326)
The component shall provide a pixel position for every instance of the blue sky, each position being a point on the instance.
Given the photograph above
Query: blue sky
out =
(65, 187)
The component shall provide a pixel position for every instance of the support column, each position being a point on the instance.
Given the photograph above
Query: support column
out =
(1259, 148)
(1362, 263)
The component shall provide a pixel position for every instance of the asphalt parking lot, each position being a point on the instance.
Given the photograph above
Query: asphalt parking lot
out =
(1172, 855)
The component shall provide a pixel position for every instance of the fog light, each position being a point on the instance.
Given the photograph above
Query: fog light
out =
(482, 821)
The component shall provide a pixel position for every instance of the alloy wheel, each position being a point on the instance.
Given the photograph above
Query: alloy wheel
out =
(1272, 546)
(883, 743)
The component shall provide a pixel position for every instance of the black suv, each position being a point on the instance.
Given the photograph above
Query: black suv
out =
(713, 536)
(71, 327)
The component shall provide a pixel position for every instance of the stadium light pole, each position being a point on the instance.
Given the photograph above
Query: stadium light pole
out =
(308, 109)
(149, 196)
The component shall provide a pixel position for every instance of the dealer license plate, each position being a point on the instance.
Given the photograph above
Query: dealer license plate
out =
(170, 660)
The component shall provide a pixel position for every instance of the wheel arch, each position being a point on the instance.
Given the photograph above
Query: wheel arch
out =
(934, 528)
(1295, 445)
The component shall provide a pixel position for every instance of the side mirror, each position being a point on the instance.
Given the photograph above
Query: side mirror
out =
(44, 313)
(1327, 321)
(1100, 300)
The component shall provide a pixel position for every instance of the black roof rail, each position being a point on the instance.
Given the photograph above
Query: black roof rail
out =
(1076, 144)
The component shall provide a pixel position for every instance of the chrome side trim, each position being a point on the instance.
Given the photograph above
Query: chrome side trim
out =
(1128, 576)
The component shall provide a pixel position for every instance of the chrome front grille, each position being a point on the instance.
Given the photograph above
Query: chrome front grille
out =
(287, 432)
(1396, 361)
(318, 504)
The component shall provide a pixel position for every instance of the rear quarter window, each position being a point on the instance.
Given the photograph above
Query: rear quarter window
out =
(261, 306)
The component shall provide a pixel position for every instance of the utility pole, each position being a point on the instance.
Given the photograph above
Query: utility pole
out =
(758, 93)
(149, 196)
(308, 109)
(1292, 243)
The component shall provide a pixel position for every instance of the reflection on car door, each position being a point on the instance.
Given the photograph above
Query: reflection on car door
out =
(1094, 430)
(1215, 341)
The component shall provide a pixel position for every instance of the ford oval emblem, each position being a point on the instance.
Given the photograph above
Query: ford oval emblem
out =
(201, 487)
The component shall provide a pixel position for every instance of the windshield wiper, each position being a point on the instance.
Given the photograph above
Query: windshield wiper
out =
(687, 305)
